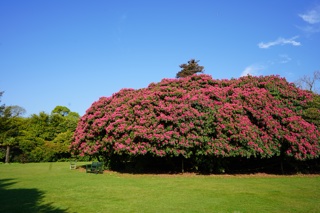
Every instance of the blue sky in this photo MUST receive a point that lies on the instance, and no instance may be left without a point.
(70, 53)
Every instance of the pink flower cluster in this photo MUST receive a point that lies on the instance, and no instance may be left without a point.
(197, 115)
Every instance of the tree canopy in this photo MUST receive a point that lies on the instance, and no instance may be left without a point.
(40, 137)
(62, 110)
(197, 116)
(192, 67)
(2, 105)
(10, 122)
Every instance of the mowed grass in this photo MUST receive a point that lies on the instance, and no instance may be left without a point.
(53, 187)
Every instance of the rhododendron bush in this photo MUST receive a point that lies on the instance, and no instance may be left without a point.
(196, 116)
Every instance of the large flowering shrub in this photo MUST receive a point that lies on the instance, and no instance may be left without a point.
(199, 116)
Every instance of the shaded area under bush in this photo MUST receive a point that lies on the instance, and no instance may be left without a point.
(231, 165)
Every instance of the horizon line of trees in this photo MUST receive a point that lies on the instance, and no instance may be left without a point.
(40, 137)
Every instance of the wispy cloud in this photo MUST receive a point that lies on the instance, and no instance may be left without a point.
(312, 16)
(312, 19)
(310, 29)
(280, 41)
(284, 59)
(120, 27)
(253, 69)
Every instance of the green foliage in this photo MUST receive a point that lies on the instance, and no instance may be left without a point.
(2, 152)
(61, 110)
(40, 137)
(10, 122)
(189, 69)
(312, 111)
(48, 137)
(1, 106)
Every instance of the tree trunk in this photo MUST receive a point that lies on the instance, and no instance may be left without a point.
(8, 154)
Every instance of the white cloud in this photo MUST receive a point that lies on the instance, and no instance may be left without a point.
(312, 19)
(312, 16)
(310, 29)
(280, 41)
(284, 59)
(252, 70)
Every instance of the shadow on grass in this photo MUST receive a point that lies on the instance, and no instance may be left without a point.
(23, 200)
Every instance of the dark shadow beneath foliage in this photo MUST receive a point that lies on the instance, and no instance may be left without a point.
(232, 165)
(23, 200)
(148, 164)
(274, 165)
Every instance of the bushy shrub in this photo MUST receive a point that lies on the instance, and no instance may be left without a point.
(198, 116)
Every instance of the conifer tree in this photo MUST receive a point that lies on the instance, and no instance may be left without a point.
(189, 69)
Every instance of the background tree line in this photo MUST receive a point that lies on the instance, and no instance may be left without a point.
(37, 138)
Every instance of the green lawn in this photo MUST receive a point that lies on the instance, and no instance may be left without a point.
(53, 187)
